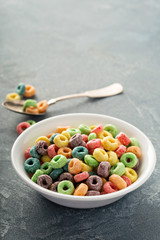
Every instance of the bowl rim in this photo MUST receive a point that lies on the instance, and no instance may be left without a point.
(102, 197)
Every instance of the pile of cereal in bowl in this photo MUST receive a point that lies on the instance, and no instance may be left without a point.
(84, 161)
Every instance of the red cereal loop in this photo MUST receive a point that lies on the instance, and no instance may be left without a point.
(127, 180)
(122, 137)
(120, 150)
(52, 150)
(81, 176)
(22, 126)
(84, 137)
(94, 143)
(109, 187)
(97, 129)
(27, 153)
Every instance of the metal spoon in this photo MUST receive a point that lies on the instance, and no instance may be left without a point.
(116, 88)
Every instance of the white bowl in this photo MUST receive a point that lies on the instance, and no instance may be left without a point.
(28, 137)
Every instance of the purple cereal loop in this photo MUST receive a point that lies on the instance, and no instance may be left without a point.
(44, 181)
(103, 169)
(54, 186)
(42, 147)
(94, 182)
(92, 193)
(66, 176)
(75, 140)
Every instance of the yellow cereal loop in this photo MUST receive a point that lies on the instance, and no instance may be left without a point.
(61, 141)
(66, 134)
(100, 155)
(43, 138)
(104, 134)
(12, 97)
(112, 158)
(109, 143)
(45, 158)
(131, 174)
(86, 168)
(92, 127)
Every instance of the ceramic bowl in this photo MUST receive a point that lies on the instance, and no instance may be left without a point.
(28, 137)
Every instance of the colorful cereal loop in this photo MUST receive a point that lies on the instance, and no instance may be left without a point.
(112, 158)
(22, 126)
(109, 143)
(118, 181)
(43, 138)
(13, 97)
(61, 141)
(65, 187)
(61, 129)
(104, 134)
(67, 152)
(74, 166)
(32, 110)
(42, 106)
(81, 190)
(131, 174)
(29, 91)
(100, 155)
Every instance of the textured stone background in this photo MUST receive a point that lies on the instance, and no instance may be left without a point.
(65, 47)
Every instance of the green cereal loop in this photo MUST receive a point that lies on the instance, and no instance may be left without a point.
(84, 129)
(65, 187)
(58, 161)
(129, 159)
(112, 129)
(56, 173)
(29, 103)
(134, 142)
(91, 161)
(31, 122)
(73, 131)
(92, 136)
(36, 175)
(118, 169)
(46, 168)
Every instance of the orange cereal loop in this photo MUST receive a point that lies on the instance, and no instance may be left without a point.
(60, 129)
(42, 106)
(32, 110)
(49, 135)
(136, 150)
(74, 166)
(118, 181)
(29, 91)
(65, 151)
(81, 190)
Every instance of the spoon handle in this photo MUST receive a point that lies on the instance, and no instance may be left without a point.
(110, 90)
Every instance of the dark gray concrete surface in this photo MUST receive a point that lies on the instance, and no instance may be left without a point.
(63, 47)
